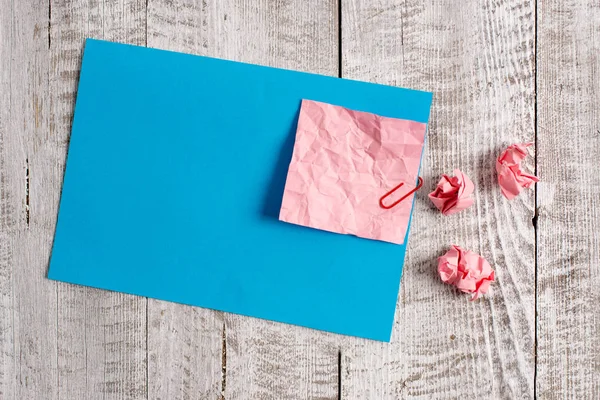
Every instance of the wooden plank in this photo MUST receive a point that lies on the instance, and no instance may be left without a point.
(267, 360)
(240, 357)
(568, 350)
(28, 298)
(479, 60)
(10, 204)
(270, 360)
(101, 335)
(184, 343)
(184, 351)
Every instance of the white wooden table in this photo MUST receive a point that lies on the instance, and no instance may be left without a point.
(503, 71)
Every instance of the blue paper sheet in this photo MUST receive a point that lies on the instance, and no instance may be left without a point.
(174, 179)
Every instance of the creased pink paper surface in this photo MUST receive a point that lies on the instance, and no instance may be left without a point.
(344, 161)
(453, 193)
(511, 177)
(468, 271)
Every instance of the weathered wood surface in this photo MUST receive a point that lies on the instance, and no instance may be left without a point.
(568, 238)
(480, 58)
(30, 187)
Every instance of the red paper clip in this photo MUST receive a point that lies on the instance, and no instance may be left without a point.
(402, 198)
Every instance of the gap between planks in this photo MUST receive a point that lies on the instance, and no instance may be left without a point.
(534, 220)
(224, 362)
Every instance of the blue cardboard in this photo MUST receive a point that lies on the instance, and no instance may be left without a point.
(174, 179)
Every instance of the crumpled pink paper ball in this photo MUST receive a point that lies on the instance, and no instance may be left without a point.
(453, 193)
(469, 272)
(510, 176)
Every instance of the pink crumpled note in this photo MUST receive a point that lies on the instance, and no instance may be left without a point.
(344, 161)
(468, 271)
(453, 193)
(510, 176)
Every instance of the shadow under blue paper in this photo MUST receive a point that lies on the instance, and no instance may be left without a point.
(274, 193)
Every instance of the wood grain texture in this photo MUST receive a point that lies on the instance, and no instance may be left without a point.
(184, 352)
(212, 354)
(479, 60)
(101, 335)
(270, 360)
(28, 298)
(9, 190)
(568, 351)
